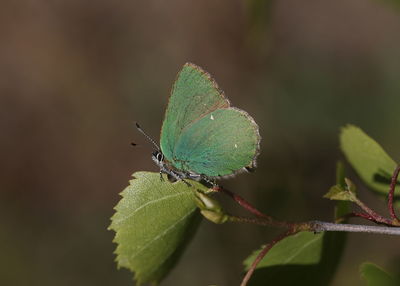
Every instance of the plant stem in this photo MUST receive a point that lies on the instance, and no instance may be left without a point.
(391, 193)
(319, 226)
(261, 221)
(370, 215)
(374, 215)
(261, 255)
(245, 204)
(360, 215)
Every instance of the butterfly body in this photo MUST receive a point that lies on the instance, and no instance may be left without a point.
(203, 137)
(173, 173)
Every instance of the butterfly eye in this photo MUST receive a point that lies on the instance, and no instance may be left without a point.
(160, 157)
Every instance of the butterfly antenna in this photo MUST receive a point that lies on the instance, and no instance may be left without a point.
(147, 136)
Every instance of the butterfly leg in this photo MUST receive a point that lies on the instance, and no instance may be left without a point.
(187, 183)
(161, 177)
(181, 177)
(213, 183)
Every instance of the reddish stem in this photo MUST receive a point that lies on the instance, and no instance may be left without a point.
(245, 204)
(264, 222)
(241, 201)
(364, 216)
(391, 193)
(262, 253)
(374, 215)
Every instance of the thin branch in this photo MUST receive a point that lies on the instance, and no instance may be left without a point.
(376, 217)
(241, 201)
(360, 215)
(264, 219)
(261, 255)
(391, 193)
(261, 221)
(319, 226)
(267, 220)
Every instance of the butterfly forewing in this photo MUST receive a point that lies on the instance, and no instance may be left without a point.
(193, 95)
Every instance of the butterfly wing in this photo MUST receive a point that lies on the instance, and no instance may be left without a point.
(219, 144)
(202, 133)
(194, 94)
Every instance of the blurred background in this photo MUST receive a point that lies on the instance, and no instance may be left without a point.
(75, 76)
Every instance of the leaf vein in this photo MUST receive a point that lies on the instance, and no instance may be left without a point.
(300, 249)
(161, 234)
(147, 204)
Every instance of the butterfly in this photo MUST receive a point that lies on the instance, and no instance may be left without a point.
(203, 137)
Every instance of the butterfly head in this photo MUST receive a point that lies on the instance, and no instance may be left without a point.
(158, 158)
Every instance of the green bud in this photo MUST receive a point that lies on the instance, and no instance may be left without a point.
(205, 202)
(215, 217)
(210, 208)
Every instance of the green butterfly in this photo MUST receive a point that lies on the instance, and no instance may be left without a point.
(203, 137)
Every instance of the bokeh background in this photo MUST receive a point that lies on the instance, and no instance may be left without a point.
(75, 76)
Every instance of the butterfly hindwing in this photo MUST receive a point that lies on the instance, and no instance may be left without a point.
(219, 144)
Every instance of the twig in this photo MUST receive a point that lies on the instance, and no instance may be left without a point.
(360, 215)
(391, 193)
(374, 215)
(241, 201)
(261, 221)
(261, 255)
(370, 214)
(266, 219)
(319, 226)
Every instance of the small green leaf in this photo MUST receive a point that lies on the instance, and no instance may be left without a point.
(367, 157)
(153, 222)
(376, 276)
(341, 193)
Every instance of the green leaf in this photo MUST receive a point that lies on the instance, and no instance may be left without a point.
(376, 276)
(306, 257)
(153, 222)
(367, 157)
(340, 193)
(301, 248)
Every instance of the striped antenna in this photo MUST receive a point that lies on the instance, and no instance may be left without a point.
(147, 136)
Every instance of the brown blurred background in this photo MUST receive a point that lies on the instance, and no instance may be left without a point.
(75, 75)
